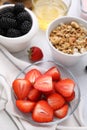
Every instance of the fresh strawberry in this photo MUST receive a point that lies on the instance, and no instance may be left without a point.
(69, 99)
(62, 112)
(34, 94)
(32, 75)
(65, 87)
(54, 83)
(21, 88)
(35, 54)
(42, 112)
(56, 101)
(54, 72)
(44, 83)
(25, 105)
(46, 94)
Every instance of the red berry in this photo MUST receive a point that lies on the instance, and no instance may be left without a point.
(42, 112)
(35, 54)
(62, 112)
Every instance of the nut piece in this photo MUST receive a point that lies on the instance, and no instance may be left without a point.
(74, 24)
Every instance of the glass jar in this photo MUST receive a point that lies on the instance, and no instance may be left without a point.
(83, 9)
(48, 10)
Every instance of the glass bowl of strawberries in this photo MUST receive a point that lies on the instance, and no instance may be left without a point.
(45, 93)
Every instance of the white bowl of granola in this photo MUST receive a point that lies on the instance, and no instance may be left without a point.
(67, 38)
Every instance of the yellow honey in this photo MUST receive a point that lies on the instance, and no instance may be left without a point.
(48, 11)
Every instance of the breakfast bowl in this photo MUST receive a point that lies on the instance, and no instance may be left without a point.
(40, 73)
(18, 25)
(67, 37)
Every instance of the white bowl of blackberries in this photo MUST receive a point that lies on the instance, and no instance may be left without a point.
(18, 25)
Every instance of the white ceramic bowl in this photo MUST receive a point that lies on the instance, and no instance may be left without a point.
(59, 56)
(19, 43)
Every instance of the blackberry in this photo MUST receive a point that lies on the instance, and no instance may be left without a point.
(86, 68)
(19, 7)
(25, 27)
(7, 23)
(21, 17)
(8, 15)
(15, 21)
(6, 9)
(13, 32)
(2, 32)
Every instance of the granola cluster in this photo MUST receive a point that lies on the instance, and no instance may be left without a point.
(69, 38)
